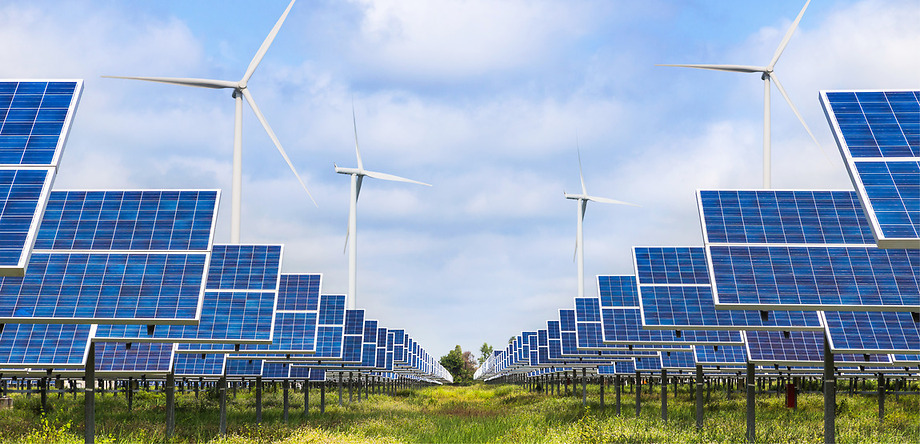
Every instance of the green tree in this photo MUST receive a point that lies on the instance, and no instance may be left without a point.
(484, 352)
(460, 364)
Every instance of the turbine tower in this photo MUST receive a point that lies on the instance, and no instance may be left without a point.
(583, 199)
(357, 177)
(240, 91)
(767, 74)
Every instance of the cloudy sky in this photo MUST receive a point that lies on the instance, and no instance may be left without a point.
(483, 99)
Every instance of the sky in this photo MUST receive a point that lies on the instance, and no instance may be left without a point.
(486, 100)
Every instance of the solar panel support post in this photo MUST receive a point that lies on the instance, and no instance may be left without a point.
(750, 387)
(584, 387)
(638, 394)
(130, 393)
(601, 387)
(222, 388)
(664, 395)
(351, 385)
(89, 381)
(881, 398)
(830, 395)
(699, 396)
(618, 387)
(322, 397)
(258, 400)
(306, 397)
(170, 404)
(285, 385)
(44, 394)
(341, 403)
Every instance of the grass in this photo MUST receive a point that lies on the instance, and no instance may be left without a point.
(479, 413)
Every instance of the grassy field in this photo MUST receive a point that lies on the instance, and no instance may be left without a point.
(480, 413)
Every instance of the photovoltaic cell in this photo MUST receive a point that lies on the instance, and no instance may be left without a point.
(35, 118)
(23, 193)
(299, 292)
(671, 265)
(730, 355)
(624, 326)
(648, 364)
(798, 348)
(872, 332)
(244, 367)
(878, 133)
(677, 360)
(45, 345)
(187, 364)
(245, 267)
(150, 220)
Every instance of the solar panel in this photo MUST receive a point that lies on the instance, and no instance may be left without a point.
(678, 360)
(35, 119)
(244, 367)
(877, 133)
(299, 292)
(275, 370)
(143, 220)
(144, 358)
(618, 291)
(187, 364)
(143, 288)
(648, 364)
(675, 294)
(45, 345)
(722, 356)
(624, 326)
(807, 273)
(872, 332)
(238, 302)
(798, 348)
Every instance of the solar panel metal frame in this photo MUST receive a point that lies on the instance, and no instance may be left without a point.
(54, 365)
(21, 267)
(912, 338)
(881, 240)
(818, 362)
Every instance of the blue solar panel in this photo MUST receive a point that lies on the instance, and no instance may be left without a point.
(245, 267)
(797, 347)
(332, 310)
(299, 292)
(587, 310)
(244, 367)
(878, 136)
(671, 266)
(22, 196)
(675, 303)
(152, 220)
(140, 358)
(730, 355)
(624, 326)
(370, 331)
(189, 364)
(872, 332)
(677, 360)
(812, 278)
(275, 370)
(618, 291)
(240, 316)
(783, 217)
(295, 332)
(567, 320)
(354, 322)
(149, 288)
(45, 345)
(35, 118)
(648, 364)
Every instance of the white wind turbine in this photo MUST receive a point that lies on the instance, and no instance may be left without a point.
(357, 176)
(240, 91)
(583, 199)
(767, 75)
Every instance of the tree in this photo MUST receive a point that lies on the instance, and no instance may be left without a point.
(484, 352)
(460, 364)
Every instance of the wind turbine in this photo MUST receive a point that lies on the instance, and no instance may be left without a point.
(767, 74)
(583, 199)
(357, 177)
(240, 91)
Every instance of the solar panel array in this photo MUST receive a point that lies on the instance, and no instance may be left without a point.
(877, 133)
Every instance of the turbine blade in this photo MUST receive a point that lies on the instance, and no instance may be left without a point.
(795, 111)
(729, 68)
(271, 134)
(782, 45)
(354, 121)
(200, 83)
(390, 177)
(609, 201)
(264, 48)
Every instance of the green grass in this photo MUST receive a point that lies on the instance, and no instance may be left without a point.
(479, 413)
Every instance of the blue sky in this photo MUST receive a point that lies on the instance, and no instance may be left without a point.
(482, 99)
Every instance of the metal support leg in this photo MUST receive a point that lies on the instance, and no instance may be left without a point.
(830, 393)
(602, 392)
(285, 387)
(341, 402)
(699, 396)
(618, 387)
(664, 395)
(222, 387)
(584, 387)
(306, 398)
(322, 397)
(638, 395)
(881, 398)
(170, 405)
(258, 400)
(89, 414)
(351, 384)
(751, 434)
